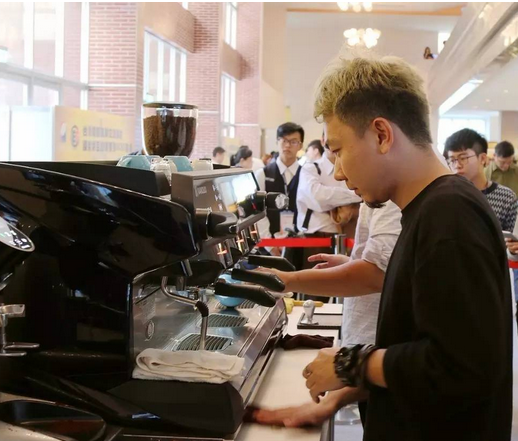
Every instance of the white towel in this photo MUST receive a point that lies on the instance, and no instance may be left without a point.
(193, 366)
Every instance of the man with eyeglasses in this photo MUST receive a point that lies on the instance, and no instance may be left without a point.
(282, 175)
(466, 154)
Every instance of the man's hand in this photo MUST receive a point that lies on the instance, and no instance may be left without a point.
(512, 246)
(320, 374)
(309, 414)
(328, 260)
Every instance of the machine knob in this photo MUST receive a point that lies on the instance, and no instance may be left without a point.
(218, 224)
(277, 201)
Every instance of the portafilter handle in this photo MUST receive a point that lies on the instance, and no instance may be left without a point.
(275, 262)
(6, 348)
(256, 294)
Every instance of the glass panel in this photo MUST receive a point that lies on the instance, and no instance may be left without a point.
(45, 37)
(234, 28)
(228, 23)
(43, 96)
(71, 97)
(178, 78)
(232, 102)
(12, 93)
(183, 77)
(11, 31)
(167, 73)
(72, 50)
(153, 68)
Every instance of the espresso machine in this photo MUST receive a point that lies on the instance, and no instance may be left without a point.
(98, 263)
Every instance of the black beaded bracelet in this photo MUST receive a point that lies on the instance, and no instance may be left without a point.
(350, 364)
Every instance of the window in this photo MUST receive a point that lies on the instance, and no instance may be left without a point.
(44, 42)
(43, 63)
(164, 70)
(448, 126)
(231, 24)
(228, 107)
(185, 5)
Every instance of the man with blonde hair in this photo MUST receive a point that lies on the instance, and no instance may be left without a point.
(441, 368)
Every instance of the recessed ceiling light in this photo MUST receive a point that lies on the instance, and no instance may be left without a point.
(488, 100)
(506, 91)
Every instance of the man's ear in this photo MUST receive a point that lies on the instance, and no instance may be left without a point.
(384, 134)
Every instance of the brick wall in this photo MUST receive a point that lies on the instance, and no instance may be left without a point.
(72, 49)
(112, 69)
(204, 75)
(249, 30)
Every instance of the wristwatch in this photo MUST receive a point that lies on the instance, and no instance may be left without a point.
(351, 364)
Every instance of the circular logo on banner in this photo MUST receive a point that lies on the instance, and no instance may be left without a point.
(74, 136)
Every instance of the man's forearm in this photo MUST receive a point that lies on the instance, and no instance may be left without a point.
(354, 278)
(347, 395)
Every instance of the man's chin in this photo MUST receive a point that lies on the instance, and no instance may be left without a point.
(374, 204)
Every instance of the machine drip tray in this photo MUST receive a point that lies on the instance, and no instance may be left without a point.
(191, 342)
(225, 321)
(247, 304)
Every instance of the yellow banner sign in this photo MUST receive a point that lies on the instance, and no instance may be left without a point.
(83, 135)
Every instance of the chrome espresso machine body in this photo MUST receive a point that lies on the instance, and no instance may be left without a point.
(119, 260)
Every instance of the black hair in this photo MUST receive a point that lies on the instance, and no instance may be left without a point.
(316, 144)
(504, 149)
(289, 128)
(217, 151)
(463, 140)
(243, 153)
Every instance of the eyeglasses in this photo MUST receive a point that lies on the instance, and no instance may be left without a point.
(461, 160)
(291, 142)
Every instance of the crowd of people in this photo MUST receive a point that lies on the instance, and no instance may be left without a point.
(427, 335)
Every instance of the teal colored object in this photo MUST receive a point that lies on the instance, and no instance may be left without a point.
(140, 162)
(229, 302)
(182, 162)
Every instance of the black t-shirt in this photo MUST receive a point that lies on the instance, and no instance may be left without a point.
(445, 317)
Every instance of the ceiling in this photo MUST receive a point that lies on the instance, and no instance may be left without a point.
(401, 7)
(499, 92)
(426, 16)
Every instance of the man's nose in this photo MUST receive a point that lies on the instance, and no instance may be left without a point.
(339, 174)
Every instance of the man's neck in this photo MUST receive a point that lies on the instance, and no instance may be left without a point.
(420, 169)
(480, 181)
(286, 162)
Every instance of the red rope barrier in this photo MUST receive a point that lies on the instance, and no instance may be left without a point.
(303, 242)
(294, 242)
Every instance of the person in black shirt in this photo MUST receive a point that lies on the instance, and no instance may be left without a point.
(441, 368)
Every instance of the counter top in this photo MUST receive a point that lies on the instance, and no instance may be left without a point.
(283, 385)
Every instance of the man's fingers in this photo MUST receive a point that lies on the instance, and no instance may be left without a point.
(315, 258)
(315, 395)
(321, 266)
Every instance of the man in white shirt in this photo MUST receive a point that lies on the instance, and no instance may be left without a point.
(282, 175)
(318, 193)
(359, 280)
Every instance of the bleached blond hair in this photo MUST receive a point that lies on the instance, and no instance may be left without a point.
(360, 89)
